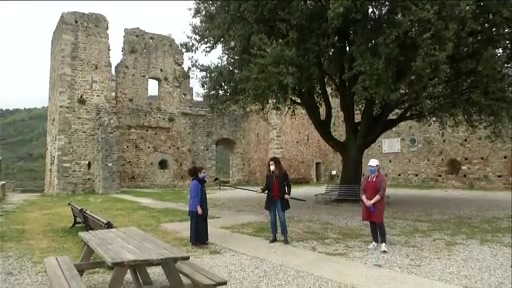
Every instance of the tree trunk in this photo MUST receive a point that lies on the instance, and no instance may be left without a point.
(352, 161)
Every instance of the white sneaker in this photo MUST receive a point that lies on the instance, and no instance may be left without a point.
(383, 248)
(372, 246)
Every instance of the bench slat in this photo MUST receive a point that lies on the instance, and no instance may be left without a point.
(55, 276)
(193, 275)
(62, 273)
(200, 275)
(68, 268)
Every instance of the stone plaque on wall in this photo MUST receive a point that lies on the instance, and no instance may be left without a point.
(391, 145)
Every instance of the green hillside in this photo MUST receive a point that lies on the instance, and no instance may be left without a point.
(23, 145)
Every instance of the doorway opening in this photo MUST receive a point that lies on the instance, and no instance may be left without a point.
(318, 171)
(224, 149)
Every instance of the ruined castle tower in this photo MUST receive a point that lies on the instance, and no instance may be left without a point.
(81, 148)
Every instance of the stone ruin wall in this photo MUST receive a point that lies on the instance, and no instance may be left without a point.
(118, 136)
(484, 163)
(81, 140)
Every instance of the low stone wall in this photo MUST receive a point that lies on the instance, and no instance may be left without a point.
(3, 191)
(10, 186)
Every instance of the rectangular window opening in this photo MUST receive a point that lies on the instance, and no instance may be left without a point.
(153, 87)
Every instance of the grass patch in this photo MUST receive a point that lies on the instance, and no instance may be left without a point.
(40, 226)
(313, 235)
(302, 232)
(174, 196)
(452, 230)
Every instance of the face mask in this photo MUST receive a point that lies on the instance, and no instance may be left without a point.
(272, 167)
(373, 170)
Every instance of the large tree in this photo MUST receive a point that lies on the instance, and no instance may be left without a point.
(387, 61)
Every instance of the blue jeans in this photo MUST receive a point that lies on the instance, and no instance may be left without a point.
(277, 211)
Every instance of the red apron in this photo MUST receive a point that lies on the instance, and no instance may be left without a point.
(371, 190)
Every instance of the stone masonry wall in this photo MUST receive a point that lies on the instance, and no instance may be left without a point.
(80, 92)
(483, 162)
(106, 132)
(58, 56)
(152, 129)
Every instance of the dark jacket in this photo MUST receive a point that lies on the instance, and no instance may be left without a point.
(198, 196)
(285, 187)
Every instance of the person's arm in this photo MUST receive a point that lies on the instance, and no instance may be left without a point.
(363, 185)
(383, 185)
(195, 194)
(265, 187)
(287, 183)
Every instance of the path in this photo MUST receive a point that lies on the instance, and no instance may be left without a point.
(329, 267)
(13, 200)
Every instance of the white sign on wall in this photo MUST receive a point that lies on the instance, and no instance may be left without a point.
(391, 145)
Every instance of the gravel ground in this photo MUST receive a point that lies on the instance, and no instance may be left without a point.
(240, 270)
(443, 257)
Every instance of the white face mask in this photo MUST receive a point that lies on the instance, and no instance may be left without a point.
(272, 167)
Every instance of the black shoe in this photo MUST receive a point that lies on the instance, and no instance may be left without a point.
(273, 239)
(285, 241)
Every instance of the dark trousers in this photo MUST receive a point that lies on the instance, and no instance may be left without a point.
(198, 228)
(275, 212)
(378, 230)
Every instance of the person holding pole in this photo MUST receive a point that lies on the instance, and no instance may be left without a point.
(279, 188)
(373, 190)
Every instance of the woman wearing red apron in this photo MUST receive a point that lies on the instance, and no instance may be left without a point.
(373, 190)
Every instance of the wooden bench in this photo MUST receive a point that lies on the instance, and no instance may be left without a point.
(199, 276)
(339, 192)
(95, 222)
(77, 213)
(90, 220)
(62, 272)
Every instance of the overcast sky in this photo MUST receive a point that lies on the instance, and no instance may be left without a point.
(27, 28)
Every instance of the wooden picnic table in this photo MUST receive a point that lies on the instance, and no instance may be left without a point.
(130, 249)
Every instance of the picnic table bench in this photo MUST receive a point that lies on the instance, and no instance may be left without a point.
(128, 249)
(90, 220)
(199, 276)
(62, 272)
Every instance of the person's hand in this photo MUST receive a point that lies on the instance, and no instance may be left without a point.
(286, 196)
(368, 203)
(199, 211)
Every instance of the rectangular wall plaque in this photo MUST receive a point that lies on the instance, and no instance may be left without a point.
(391, 145)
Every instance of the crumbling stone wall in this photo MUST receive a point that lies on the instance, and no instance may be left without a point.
(154, 139)
(80, 99)
(106, 132)
(173, 127)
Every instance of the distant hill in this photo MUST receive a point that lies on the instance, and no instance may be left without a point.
(23, 146)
